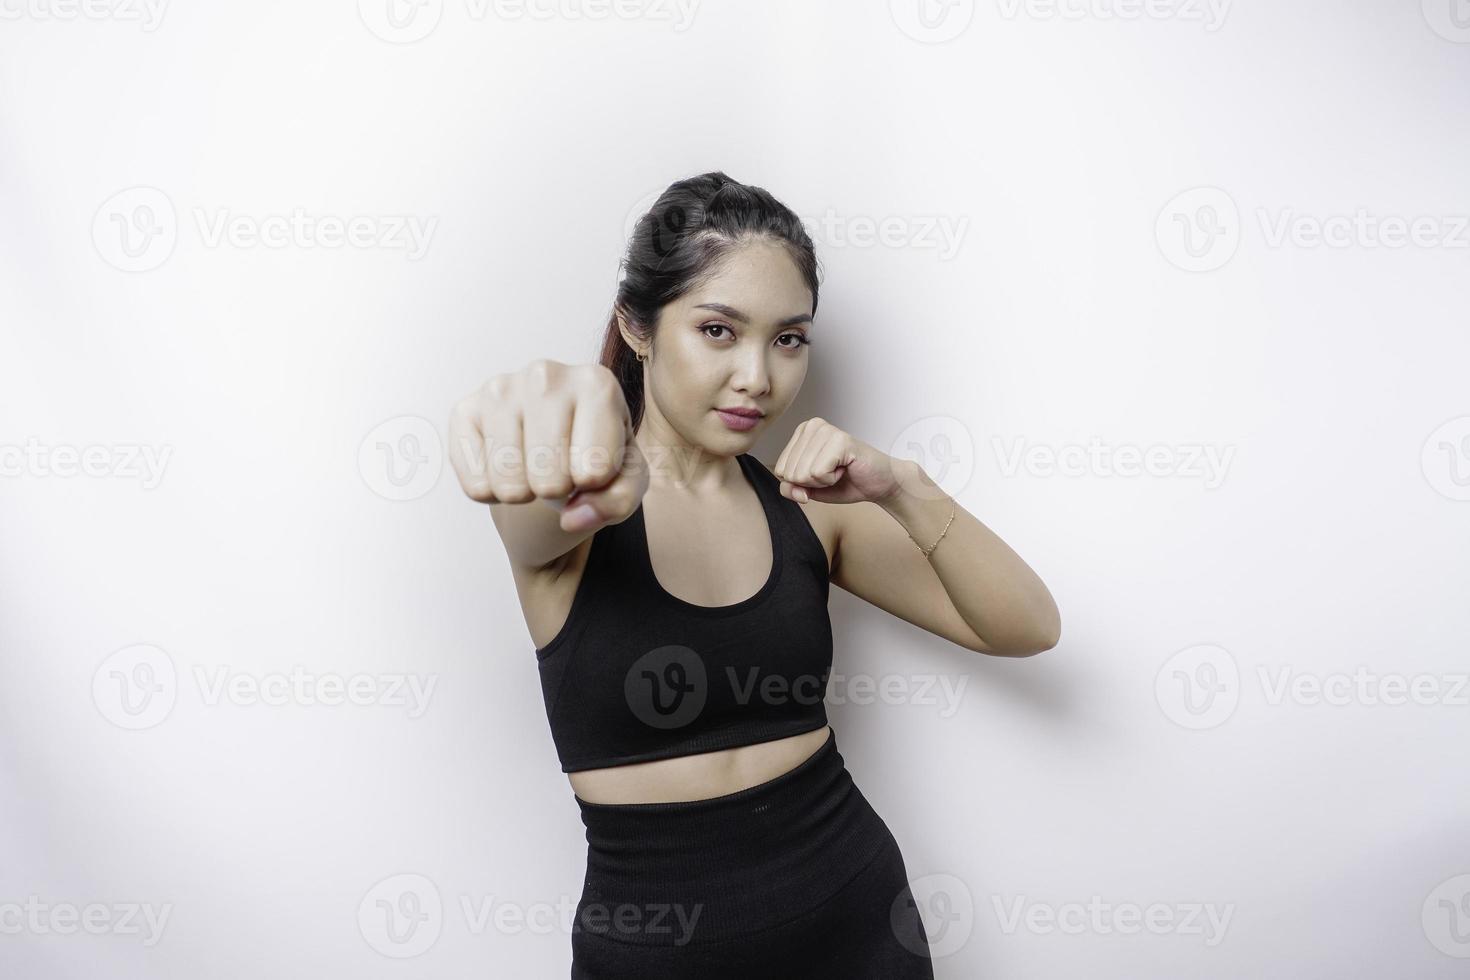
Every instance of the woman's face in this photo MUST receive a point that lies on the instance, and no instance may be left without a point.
(736, 342)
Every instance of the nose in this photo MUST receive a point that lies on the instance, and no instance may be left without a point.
(752, 375)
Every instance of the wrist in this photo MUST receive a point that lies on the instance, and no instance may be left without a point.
(910, 484)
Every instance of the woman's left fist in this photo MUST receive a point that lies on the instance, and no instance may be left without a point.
(825, 464)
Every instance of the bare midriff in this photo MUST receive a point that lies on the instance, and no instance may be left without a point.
(697, 777)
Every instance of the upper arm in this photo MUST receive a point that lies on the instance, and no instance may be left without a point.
(876, 560)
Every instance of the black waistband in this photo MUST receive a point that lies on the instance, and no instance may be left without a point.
(705, 870)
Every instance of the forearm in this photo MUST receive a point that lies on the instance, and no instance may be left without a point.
(994, 591)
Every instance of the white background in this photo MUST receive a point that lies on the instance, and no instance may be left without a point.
(1149, 759)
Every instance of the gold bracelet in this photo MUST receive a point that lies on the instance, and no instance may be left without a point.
(947, 523)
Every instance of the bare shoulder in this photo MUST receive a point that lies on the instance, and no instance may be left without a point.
(546, 594)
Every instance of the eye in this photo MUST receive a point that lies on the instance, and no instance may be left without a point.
(713, 326)
(801, 339)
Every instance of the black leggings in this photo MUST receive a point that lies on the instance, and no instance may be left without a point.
(796, 877)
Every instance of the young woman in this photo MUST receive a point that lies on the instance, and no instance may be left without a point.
(677, 593)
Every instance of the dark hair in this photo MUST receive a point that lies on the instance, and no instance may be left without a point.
(675, 247)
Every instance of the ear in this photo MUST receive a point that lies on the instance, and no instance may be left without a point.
(629, 337)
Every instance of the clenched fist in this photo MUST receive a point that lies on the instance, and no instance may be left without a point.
(554, 432)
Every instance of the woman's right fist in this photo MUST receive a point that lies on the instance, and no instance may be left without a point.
(554, 432)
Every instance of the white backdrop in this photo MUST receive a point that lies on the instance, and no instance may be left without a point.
(1170, 293)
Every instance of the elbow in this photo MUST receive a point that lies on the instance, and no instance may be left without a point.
(1043, 641)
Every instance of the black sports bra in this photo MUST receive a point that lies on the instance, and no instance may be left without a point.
(636, 673)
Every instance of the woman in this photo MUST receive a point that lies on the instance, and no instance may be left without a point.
(677, 593)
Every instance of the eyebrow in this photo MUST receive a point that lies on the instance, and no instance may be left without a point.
(735, 314)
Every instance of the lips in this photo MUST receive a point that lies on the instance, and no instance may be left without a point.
(750, 413)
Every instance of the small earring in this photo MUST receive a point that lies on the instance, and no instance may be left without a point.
(640, 357)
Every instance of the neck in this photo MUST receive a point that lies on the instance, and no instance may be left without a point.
(674, 463)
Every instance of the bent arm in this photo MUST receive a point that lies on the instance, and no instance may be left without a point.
(972, 589)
